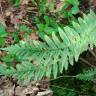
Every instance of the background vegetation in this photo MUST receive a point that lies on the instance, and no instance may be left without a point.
(33, 35)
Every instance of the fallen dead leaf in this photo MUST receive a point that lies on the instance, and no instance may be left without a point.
(23, 2)
(34, 36)
(2, 20)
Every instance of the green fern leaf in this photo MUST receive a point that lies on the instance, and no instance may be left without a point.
(56, 52)
(87, 75)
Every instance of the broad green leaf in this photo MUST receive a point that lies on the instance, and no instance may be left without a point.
(75, 9)
(17, 2)
(2, 41)
(3, 32)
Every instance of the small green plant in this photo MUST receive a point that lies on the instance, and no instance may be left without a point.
(23, 28)
(16, 2)
(3, 35)
(47, 27)
(87, 75)
(70, 8)
(72, 87)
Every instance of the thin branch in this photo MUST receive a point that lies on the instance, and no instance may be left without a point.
(92, 52)
(68, 89)
(85, 61)
(44, 93)
(0, 7)
(66, 76)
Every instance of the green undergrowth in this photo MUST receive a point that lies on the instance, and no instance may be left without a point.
(63, 35)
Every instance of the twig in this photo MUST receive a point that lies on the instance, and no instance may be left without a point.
(68, 89)
(85, 61)
(92, 52)
(44, 93)
(66, 76)
(1, 8)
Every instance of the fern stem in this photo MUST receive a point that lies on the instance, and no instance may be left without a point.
(66, 76)
(52, 49)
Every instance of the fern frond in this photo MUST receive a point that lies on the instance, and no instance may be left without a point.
(87, 75)
(56, 52)
(6, 71)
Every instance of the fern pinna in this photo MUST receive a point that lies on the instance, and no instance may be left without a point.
(50, 56)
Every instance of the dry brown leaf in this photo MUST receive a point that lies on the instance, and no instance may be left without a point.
(59, 5)
(23, 2)
(23, 91)
(2, 20)
(31, 90)
(34, 36)
(19, 91)
(6, 87)
(45, 93)
(9, 91)
(93, 2)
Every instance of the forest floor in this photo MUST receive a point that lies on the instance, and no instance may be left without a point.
(10, 17)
